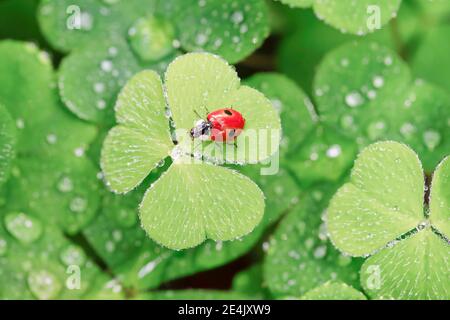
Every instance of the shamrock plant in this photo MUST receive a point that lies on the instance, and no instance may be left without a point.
(381, 213)
(232, 205)
(356, 17)
(111, 41)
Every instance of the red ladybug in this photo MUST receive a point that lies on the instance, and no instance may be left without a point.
(223, 125)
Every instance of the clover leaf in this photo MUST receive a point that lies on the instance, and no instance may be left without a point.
(381, 100)
(51, 176)
(334, 291)
(142, 139)
(356, 17)
(109, 42)
(300, 257)
(69, 24)
(198, 83)
(38, 262)
(232, 30)
(7, 143)
(381, 213)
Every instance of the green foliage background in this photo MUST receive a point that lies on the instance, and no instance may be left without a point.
(336, 86)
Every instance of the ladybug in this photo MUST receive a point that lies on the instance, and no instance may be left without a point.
(223, 125)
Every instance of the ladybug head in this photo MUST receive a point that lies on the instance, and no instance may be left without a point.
(201, 130)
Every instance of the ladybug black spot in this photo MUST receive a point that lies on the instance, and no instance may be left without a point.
(228, 112)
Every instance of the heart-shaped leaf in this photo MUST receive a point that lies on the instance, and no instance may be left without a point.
(135, 147)
(200, 83)
(230, 29)
(383, 200)
(381, 212)
(231, 205)
(143, 130)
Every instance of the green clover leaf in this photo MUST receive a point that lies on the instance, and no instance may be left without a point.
(7, 143)
(381, 101)
(300, 257)
(51, 169)
(141, 263)
(232, 30)
(142, 139)
(37, 261)
(380, 212)
(356, 17)
(334, 291)
(111, 42)
(218, 86)
(69, 24)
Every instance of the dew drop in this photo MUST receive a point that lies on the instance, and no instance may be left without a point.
(347, 122)
(117, 235)
(201, 39)
(320, 252)
(334, 151)
(78, 205)
(23, 227)
(112, 51)
(79, 152)
(388, 60)
(43, 284)
(101, 104)
(20, 124)
(110, 246)
(407, 130)
(153, 38)
(3, 247)
(237, 17)
(432, 139)
(99, 87)
(86, 21)
(106, 65)
(65, 184)
(72, 255)
(354, 99)
(51, 138)
(378, 82)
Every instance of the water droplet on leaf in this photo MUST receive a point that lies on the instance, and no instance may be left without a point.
(23, 227)
(43, 284)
